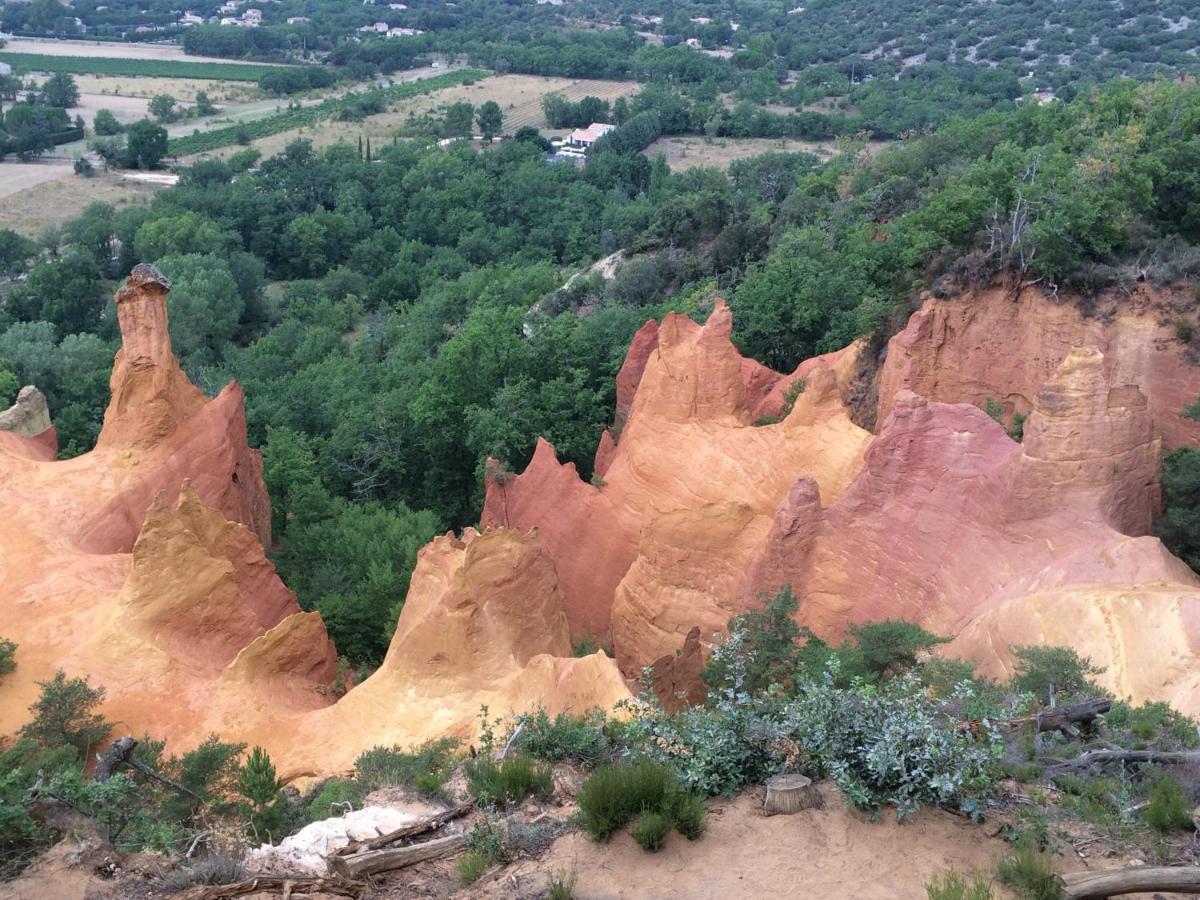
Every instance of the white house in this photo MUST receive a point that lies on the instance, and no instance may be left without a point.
(586, 137)
(298, 20)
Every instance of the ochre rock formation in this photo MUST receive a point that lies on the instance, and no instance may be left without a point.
(941, 518)
(987, 344)
(484, 624)
(688, 454)
(25, 427)
(141, 566)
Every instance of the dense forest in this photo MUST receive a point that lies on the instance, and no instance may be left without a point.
(379, 313)
(824, 68)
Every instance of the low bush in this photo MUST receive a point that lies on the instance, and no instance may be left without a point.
(1058, 670)
(334, 797)
(561, 886)
(650, 830)
(508, 782)
(953, 886)
(1168, 808)
(565, 737)
(424, 769)
(618, 793)
(689, 813)
(1029, 872)
(485, 848)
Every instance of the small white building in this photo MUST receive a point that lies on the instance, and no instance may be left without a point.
(298, 20)
(586, 137)
(5, 69)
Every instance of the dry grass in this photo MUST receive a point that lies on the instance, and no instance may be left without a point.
(691, 152)
(36, 196)
(519, 96)
(179, 88)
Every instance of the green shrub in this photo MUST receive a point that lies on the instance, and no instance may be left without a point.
(1168, 808)
(332, 797)
(8, 662)
(485, 848)
(266, 808)
(887, 648)
(1041, 670)
(953, 886)
(509, 782)
(589, 643)
(565, 737)
(561, 886)
(651, 830)
(617, 793)
(1029, 872)
(689, 813)
(471, 866)
(63, 716)
(424, 769)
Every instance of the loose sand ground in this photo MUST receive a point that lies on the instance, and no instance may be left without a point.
(814, 855)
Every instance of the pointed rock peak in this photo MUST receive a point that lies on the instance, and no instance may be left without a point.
(720, 320)
(150, 393)
(29, 416)
(142, 313)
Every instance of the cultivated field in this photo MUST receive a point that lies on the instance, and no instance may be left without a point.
(519, 96)
(34, 196)
(127, 109)
(691, 152)
(179, 88)
(113, 50)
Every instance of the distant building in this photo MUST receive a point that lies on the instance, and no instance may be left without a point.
(398, 6)
(694, 43)
(298, 20)
(189, 18)
(403, 32)
(5, 69)
(586, 137)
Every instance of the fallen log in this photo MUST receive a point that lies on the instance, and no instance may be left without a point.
(121, 754)
(285, 887)
(1162, 757)
(1064, 718)
(369, 862)
(1134, 880)
(416, 829)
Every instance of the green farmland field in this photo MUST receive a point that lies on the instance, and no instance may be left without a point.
(156, 68)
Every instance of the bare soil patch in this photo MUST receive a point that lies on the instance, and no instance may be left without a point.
(813, 855)
(119, 86)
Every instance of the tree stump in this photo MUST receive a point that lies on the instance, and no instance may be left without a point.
(787, 794)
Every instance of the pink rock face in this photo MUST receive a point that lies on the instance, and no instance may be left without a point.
(688, 460)
(943, 519)
(985, 344)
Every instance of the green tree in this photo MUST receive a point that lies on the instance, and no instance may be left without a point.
(1059, 670)
(184, 233)
(15, 251)
(145, 145)
(459, 117)
(204, 305)
(64, 715)
(204, 106)
(8, 652)
(490, 118)
(162, 107)
(61, 91)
